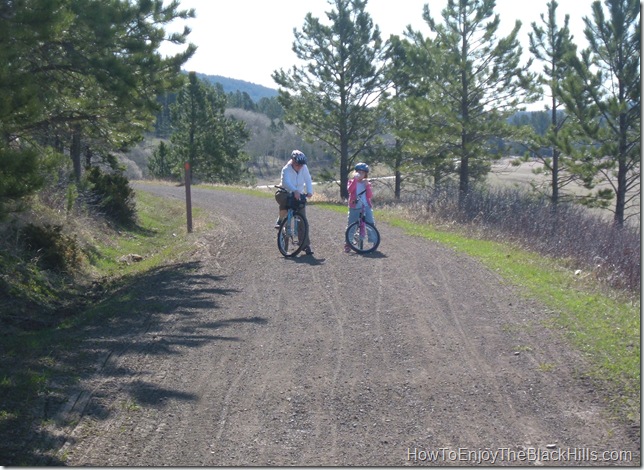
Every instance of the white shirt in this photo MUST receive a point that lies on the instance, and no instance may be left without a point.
(294, 181)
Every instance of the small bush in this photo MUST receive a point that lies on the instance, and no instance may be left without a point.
(53, 248)
(113, 196)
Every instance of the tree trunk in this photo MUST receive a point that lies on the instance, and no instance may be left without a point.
(398, 175)
(75, 152)
(464, 180)
(620, 203)
(344, 168)
(555, 161)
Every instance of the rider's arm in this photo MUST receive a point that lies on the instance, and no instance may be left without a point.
(307, 179)
(351, 189)
(369, 193)
(352, 186)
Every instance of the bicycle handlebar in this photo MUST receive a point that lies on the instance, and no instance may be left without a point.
(302, 195)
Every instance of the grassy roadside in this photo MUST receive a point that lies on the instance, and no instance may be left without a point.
(603, 324)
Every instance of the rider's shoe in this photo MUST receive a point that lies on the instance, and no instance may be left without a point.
(308, 250)
(277, 223)
(347, 248)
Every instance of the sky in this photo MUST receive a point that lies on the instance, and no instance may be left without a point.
(250, 39)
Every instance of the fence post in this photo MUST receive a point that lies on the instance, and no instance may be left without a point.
(188, 200)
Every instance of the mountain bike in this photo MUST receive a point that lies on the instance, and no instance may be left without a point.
(362, 236)
(292, 231)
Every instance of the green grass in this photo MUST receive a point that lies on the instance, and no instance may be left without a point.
(604, 325)
(161, 235)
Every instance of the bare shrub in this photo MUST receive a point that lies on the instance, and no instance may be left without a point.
(568, 231)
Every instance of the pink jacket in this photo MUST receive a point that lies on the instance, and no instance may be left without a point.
(352, 186)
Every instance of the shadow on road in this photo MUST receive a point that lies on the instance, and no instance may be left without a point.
(307, 259)
(374, 255)
(161, 312)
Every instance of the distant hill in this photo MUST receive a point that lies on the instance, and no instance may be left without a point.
(256, 92)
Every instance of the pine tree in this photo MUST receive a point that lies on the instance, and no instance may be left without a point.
(204, 137)
(604, 95)
(553, 46)
(83, 75)
(332, 97)
(473, 82)
(160, 164)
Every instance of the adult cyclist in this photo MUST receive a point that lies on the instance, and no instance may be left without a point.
(295, 180)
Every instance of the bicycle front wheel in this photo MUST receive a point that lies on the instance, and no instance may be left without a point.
(291, 235)
(365, 242)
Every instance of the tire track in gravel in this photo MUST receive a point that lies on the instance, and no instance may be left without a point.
(338, 359)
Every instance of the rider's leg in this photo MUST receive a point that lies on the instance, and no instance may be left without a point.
(368, 216)
(281, 198)
(306, 242)
(353, 216)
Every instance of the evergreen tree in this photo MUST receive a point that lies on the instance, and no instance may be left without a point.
(271, 108)
(553, 46)
(473, 81)
(604, 95)
(420, 148)
(204, 137)
(397, 75)
(83, 75)
(23, 27)
(332, 97)
(160, 164)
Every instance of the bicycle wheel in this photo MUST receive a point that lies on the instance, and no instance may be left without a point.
(291, 236)
(365, 244)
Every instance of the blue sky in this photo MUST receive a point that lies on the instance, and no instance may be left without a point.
(249, 39)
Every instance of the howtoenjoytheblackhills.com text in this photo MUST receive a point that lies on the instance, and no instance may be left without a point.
(464, 455)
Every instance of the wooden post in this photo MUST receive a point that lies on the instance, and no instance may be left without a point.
(188, 200)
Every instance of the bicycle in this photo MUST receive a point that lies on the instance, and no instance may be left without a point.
(294, 228)
(362, 236)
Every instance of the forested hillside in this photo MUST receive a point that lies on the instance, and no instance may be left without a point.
(232, 85)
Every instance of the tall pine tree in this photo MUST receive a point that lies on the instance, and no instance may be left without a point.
(204, 137)
(553, 46)
(332, 97)
(604, 94)
(473, 80)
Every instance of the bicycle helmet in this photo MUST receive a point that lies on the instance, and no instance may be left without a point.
(298, 157)
(362, 167)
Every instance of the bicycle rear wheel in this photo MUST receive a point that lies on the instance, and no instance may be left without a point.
(291, 235)
(362, 244)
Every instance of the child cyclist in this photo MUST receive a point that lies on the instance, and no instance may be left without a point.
(360, 194)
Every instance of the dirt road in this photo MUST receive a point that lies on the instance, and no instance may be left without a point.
(414, 355)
